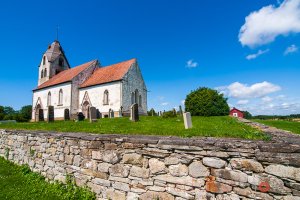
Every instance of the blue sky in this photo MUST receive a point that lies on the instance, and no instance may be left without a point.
(248, 50)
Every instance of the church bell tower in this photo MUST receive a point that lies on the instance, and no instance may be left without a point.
(53, 62)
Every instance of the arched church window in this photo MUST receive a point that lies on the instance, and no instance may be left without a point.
(136, 96)
(140, 100)
(44, 60)
(132, 98)
(61, 62)
(105, 97)
(60, 97)
(45, 73)
(49, 99)
(42, 74)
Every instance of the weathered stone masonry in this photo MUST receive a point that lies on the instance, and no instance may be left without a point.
(150, 167)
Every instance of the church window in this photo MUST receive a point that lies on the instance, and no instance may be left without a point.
(42, 74)
(60, 97)
(136, 96)
(45, 73)
(105, 97)
(44, 60)
(49, 99)
(61, 62)
(140, 100)
(132, 98)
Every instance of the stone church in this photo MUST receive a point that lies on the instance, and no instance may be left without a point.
(110, 89)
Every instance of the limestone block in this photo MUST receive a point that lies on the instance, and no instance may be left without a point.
(139, 172)
(214, 162)
(186, 180)
(247, 164)
(284, 171)
(119, 170)
(111, 156)
(150, 195)
(230, 174)
(178, 170)
(197, 169)
(156, 166)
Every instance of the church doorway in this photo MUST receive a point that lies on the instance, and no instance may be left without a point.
(39, 113)
(86, 109)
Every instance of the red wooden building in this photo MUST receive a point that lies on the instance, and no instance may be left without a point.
(236, 113)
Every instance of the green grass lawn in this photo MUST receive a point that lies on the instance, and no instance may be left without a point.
(19, 183)
(202, 126)
(282, 124)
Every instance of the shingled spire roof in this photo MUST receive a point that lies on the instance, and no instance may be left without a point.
(54, 51)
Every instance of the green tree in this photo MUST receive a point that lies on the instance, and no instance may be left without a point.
(9, 110)
(25, 113)
(247, 115)
(206, 102)
(2, 114)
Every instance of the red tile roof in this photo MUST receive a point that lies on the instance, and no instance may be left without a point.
(108, 74)
(66, 75)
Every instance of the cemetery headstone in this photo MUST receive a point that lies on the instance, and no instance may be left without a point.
(180, 110)
(67, 114)
(50, 117)
(80, 116)
(174, 111)
(111, 113)
(134, 112)
(187, 120)
(121, 112)
(99, 115)
(93, 114)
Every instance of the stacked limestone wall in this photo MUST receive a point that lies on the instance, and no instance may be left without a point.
(149, 167)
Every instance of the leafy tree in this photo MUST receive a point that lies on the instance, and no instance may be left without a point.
(2, 114)
(206, 102)
(247, 115)
(25, 113)
(9, 110)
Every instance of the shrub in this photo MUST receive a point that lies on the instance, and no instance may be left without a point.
(169, 114)
(206, 102)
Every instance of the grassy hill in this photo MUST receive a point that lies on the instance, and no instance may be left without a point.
(293, 126)
(202, 126)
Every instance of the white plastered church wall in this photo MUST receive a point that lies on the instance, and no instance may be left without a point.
(42, 96)
(96, 96)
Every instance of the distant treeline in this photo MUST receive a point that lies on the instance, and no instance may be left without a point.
(8, 113)
(277, 116)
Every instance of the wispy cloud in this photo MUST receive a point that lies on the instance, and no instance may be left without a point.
(263, 26)
(291, 49)
(191, 64)
(164, 103)
(259, 53)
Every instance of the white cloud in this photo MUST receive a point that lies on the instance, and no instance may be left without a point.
(291, 49)
(266, 99)
(243, 102)
(191, 64)
(182, 102)
(263, 26)
(164, 103)
(259, 53)
(242, 91)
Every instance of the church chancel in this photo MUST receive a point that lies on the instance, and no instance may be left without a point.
(110, 89)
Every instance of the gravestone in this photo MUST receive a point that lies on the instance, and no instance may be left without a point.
(174, 111)
(50, 117)
(80, 116)
(111, 113)
(99, 115)
(180, 110)
(187, 120)
(67, 114)
(134, 112)
(93, 114)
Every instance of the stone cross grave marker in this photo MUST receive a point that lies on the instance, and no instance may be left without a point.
(50, 117)
(134, 112)
(93, 114)
(187, 120)
(121, 112)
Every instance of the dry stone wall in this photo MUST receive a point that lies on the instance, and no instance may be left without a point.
(166, 168)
